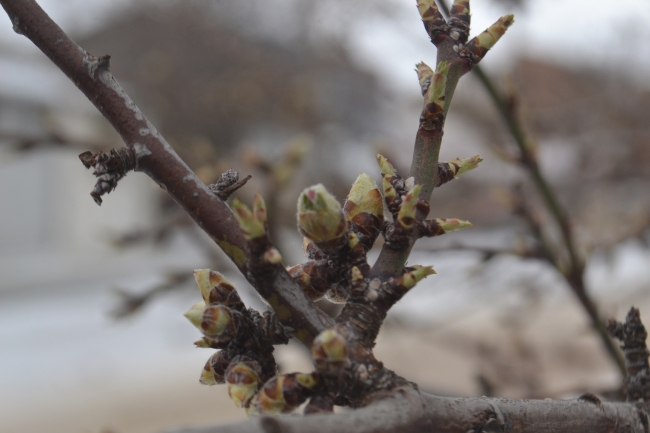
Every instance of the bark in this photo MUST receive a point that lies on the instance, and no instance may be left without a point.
(409, 411)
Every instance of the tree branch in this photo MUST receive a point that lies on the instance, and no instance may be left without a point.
(155, 157)
(413, 412)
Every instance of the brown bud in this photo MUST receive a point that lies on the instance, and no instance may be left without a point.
(243, 380)
(330, 351)
(214, 371)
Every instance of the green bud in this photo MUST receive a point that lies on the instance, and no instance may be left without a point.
(330, 350)
(385, 166)
(364, 197)
(216, 289)
(214, 370)
(215, 322)
(434, 98)
(319, 215)
(243, 380)
(452, 224)
(460, 9)
(272, 256)
(250, 225)
(489, 37)
(259, 209)
(410, 279)
(425, 75)
(408, 210)
(478, 47)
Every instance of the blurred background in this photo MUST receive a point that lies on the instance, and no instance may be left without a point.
(296, 92)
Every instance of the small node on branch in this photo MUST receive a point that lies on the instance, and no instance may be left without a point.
(632, 334)
(108, 168)
(448, 171)
(478, 47)
(228, 183)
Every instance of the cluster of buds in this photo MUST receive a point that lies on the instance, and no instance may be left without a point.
(456, 30)
(245, 362)
(244, 336)
(405, 208)
(336, 238)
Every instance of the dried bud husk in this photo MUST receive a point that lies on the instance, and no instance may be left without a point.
(217, 322)
(448, 171)
(243, 380)
(330, 351)
(364, 209)
(440, 226)
(321, 219)
(214, 371)
(284, 393)
(216, 289)
(434, 98)
(408, 210)
(415, 275)
(250, 225)
(478, 47)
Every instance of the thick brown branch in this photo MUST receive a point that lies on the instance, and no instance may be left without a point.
(156, 158)
(409, 411)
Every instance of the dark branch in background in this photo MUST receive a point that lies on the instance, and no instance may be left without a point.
(155, 157)
(527, 159)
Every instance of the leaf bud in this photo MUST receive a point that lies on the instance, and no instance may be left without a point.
(408, 210)
(284, 393)
(415, 275)
(215, 321)
(248, 222)
(330, 351)
(214, 371)
(243, 380)
(216, 289)
(478, 47)
(320, 217)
